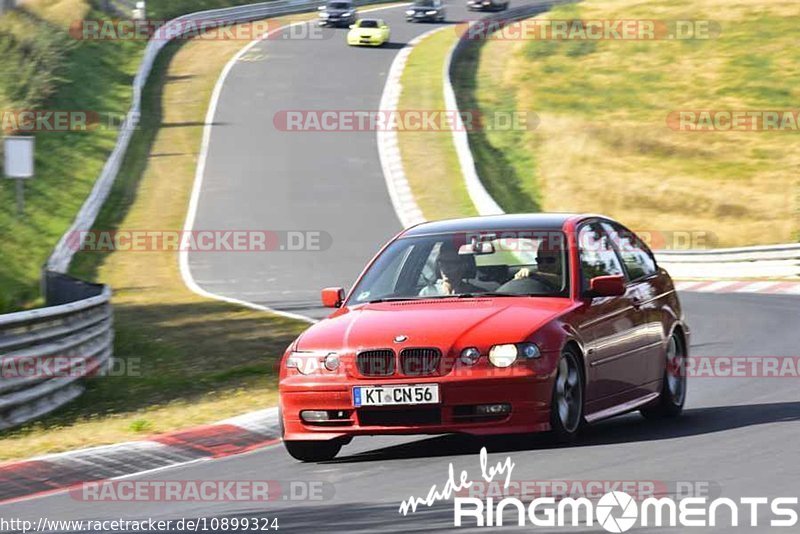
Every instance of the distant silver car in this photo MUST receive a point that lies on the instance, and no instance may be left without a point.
(487, 5)
(426, 10)
(337, 13)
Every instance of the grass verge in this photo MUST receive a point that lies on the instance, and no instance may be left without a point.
(603, 144)
(429, 157)
(42, 68)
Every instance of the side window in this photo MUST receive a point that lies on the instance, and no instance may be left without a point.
(598, 257)
(638, 262)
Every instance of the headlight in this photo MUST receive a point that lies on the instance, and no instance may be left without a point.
(410, 12)
(309, 362)
(431, 12)
(324, 15)
(470, 356)
(346, 14)
(503, 355)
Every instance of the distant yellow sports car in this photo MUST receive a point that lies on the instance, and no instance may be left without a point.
(368, 32)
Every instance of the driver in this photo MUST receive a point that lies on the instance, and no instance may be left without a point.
(548, 265)
(453, 269)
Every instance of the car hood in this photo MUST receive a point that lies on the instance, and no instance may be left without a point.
(337, 12)
(442, 323)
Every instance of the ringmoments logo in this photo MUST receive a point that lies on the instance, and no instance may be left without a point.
(615, 511)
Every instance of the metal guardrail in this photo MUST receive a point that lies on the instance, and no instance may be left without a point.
(45, 353)
(773, 261)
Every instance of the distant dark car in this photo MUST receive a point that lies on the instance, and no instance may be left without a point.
(487, 5)
(337, 13)
(426, 10)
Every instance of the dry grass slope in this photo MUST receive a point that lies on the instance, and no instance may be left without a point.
(603, 144)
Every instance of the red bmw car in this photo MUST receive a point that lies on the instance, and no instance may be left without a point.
(489, 325)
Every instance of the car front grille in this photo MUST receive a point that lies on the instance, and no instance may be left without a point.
(420, 361)
(378, 362)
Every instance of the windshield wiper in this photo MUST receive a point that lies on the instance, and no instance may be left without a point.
(392, 299)
(484, 294)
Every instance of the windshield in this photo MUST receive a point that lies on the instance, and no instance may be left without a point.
(366, 23)
(424, 3)
(339, 5)
(518, 263)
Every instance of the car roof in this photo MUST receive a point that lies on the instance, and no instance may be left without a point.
(518, 221)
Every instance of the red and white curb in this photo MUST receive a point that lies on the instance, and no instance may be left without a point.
(738, 286)
(61, 471)
(405, 206)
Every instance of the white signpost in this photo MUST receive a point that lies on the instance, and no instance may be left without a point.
(140, 11)
(18, 165)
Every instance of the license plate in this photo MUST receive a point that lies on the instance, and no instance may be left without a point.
(395, 395)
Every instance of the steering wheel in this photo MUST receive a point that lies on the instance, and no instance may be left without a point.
(546, 281)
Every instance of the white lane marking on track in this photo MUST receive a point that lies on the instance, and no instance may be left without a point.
(191, 215)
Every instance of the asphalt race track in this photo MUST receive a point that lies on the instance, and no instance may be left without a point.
(738, 437)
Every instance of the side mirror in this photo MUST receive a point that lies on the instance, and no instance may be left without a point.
(332, 297)
(607, 286)
(352, 26)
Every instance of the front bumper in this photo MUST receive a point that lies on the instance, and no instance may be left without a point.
(529, 397)
(482, 6)
(337, 21)
(356, 41)
(422, 17)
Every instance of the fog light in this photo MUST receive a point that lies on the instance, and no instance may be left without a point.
(492, 409)
(332, 361)
(314, 416)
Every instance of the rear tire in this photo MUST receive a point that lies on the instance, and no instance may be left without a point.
(313, 451)
(673, 388)
(566, 406)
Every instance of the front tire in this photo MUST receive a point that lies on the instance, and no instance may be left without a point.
(313, 451)
(566, 406)
(673, 388)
